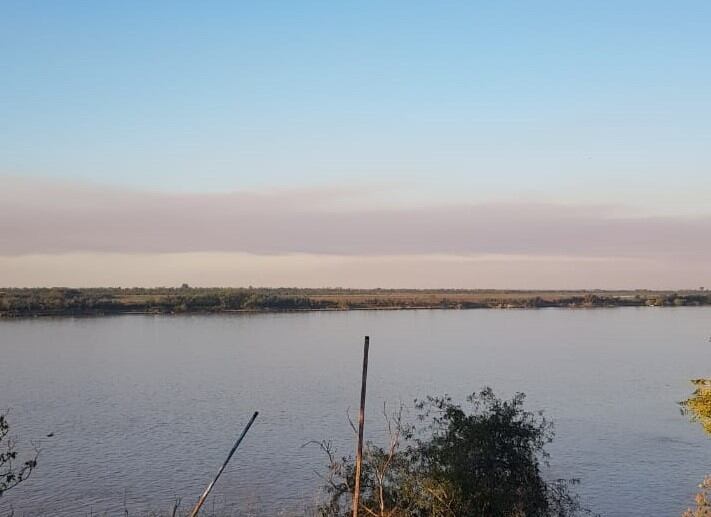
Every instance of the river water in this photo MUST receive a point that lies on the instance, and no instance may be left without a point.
(143, 409)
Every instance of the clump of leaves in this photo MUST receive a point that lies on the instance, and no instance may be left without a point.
(703, 501)
(698, 408)
(698, 405)
(482, 459)
(12, 471)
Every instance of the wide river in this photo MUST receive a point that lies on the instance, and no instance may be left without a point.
(143, 409)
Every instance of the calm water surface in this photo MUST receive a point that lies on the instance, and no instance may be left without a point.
(144, 408)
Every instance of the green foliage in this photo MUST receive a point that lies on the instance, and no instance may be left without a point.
(98, 301)
(698, 408)
(12, 473)
(104, 300)
(483, 460)
(702, 500)
(698, 405)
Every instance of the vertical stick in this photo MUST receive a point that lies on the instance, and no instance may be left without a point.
(204, 495)
(361, 426)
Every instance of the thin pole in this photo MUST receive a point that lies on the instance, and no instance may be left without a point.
(204, 495)
(361, 426)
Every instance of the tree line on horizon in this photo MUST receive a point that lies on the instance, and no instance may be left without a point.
(98, 301)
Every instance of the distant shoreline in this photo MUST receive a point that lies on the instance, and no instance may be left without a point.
(38, 302)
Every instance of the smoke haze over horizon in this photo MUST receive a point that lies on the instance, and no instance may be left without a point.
(81, 234)
(358, 144)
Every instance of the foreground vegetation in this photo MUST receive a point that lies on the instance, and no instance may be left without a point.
(482, 459)
(698, 405)
(698, 408)
(99, 301)
(13, 470)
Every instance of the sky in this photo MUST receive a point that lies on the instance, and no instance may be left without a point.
(357, 144)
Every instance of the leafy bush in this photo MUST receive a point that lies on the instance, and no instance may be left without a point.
(698, 406)
(483, 460)
(703, 501)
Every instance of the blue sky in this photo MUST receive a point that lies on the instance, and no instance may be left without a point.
(504, 96)
(432, 103)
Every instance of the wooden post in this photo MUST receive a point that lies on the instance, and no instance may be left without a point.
(361, 426)
(204, 495)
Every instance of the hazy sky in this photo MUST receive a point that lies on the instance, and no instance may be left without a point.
(453, 144)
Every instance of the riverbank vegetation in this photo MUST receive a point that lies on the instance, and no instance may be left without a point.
(698, 405)
(702, 501)
(698, 408)
(484, 458)
(100, 301)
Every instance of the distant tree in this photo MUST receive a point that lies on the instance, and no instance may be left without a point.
(482, 461)
(12, 471)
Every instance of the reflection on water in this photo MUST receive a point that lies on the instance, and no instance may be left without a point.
(145, 407)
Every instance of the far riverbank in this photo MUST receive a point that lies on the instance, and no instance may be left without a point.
(31, 302)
